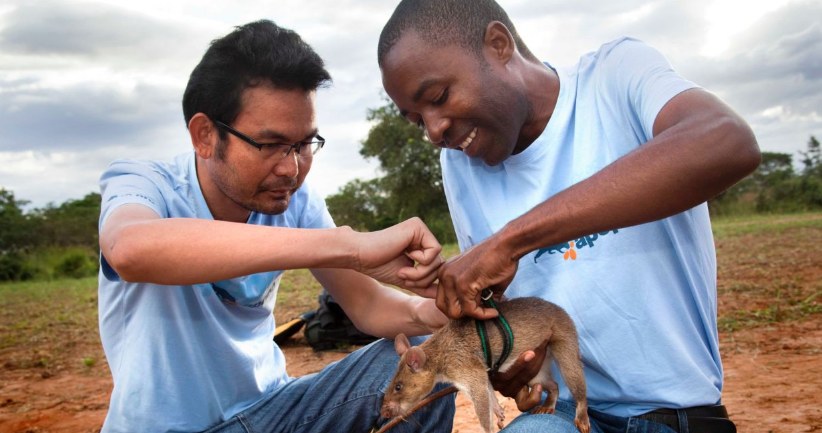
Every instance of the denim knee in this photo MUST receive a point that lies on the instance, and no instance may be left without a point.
(543, 423)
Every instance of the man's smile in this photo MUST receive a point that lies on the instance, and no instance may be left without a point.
(468, 140)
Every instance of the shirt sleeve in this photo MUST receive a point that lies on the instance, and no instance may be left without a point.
(130, 182)
(643, 77)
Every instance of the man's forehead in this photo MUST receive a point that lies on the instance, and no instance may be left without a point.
(409, 47)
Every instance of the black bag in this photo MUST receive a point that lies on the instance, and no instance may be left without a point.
(330, 328)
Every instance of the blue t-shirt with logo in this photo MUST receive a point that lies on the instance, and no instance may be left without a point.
(184, 358)
(643, 297)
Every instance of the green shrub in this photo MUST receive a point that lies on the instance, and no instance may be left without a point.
(76, 264)
(13, 267)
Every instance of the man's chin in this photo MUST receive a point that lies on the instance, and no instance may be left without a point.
(271, 207)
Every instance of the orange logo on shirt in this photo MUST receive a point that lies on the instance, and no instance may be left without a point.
(569, 249)
(571, 253)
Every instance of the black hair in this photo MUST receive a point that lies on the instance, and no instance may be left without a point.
(446, 22)
(253, 54)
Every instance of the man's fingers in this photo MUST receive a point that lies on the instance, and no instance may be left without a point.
(425, 248)
(526, 364)
(540, 351)
(426, 256)
(510, 382)
(507, 386)
(422, 274)
(447, 302)
(471, 308)
(528, 399)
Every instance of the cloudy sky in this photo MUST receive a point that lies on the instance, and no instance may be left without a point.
(86, 82)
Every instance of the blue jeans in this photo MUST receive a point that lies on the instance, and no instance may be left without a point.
(344, 397)
(562, 421)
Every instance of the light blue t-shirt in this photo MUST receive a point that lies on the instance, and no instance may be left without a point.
(184, 358)
(644, 297)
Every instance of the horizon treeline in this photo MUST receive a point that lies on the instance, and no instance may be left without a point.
(59, 241)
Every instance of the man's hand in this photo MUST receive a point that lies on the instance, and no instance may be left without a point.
(427, 314)
(514, 381)
(463, 278)
(405, 255)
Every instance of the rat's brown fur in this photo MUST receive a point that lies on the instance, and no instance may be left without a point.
(454, 354)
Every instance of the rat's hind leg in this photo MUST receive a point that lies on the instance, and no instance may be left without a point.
(570, 365)
(551, 401)
(498, 411)
(548, 384)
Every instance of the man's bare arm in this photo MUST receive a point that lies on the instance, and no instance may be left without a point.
(377, 309)
(141, 246)
(700, 148)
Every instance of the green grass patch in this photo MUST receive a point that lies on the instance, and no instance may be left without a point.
(47, 311)
(781, 310)
(767, 274)
(759, 223)
(51, 326)
(298, 294)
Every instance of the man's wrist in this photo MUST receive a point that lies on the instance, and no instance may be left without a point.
(509, 243)
(426, 315)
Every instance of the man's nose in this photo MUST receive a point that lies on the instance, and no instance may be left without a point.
(435, 128)
(288, 166)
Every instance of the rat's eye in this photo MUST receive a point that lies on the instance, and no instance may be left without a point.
(398, 387)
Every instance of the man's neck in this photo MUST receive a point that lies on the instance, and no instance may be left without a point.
(539, 78)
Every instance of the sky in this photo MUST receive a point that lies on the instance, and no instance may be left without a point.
(84, 82)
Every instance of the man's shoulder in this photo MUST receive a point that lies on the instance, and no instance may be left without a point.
(157, 171)
(161, 185)
(122, 166)
(618, 50)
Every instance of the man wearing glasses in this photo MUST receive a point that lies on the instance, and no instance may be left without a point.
(193, 250)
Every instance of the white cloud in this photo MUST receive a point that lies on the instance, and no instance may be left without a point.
(85, 82)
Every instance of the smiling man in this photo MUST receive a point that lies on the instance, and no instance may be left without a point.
(584, 185)
(193, 251)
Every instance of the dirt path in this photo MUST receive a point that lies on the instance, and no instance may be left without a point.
(773, 377)
(770, 286)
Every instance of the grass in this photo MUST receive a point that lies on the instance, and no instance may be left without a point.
(32, 309)
(49, 325)
(739, 225)
(770, 270)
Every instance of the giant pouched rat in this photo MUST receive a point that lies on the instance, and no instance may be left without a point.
(454, 354)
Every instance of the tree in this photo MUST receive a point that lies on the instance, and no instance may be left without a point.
(16, 237)
(73, 223)
(781, 190)
(411, 181)
(812, 158)
(361, 205)
(15, 227)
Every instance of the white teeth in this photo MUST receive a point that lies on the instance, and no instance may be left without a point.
(468, 140)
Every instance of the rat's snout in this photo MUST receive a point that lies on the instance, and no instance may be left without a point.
(390, 409)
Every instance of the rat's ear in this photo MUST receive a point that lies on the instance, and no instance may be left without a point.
(401, 344)
(415, 359)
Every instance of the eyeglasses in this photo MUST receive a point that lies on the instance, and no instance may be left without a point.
(278, 150)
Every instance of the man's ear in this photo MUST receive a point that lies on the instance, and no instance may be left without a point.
(204, 135)
(499, 42)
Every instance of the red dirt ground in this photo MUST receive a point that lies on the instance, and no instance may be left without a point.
(773, 379)
(773, 365)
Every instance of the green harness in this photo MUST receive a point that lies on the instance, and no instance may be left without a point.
(504, 329)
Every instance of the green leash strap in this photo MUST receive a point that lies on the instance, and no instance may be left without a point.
(504, 328)
(484, 341)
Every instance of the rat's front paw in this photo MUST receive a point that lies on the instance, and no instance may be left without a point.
(499, 412)
(543, 410)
